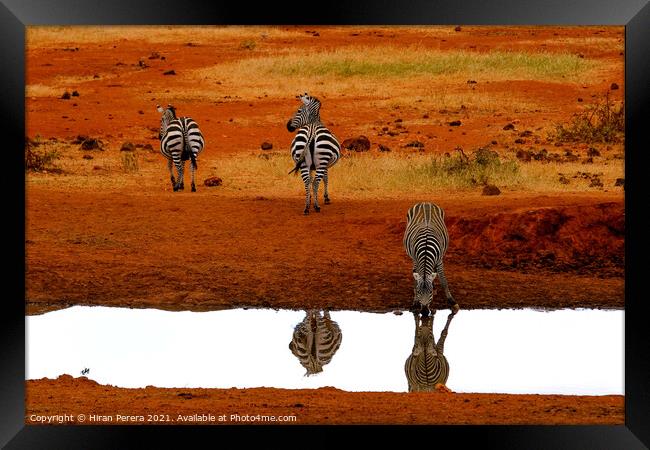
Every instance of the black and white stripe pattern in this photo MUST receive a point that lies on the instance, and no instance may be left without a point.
(315, 341)
(315, 148)
(427, 365)
(425, 241)
(180, 140)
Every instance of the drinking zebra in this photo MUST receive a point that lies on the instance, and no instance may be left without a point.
(323, 148)
(315, 341)
(180, 140)
(425, 241)
(427, 365)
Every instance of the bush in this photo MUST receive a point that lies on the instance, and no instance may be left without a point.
(600, 122)
(130, 162)
(40, 161)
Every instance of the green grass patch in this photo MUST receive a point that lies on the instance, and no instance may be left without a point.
(412, 62)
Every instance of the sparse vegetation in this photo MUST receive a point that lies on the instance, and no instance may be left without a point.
(248, 45)
(130, 162)
(40, 160)
(602, 121)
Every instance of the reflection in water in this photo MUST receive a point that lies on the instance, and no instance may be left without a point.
(315, 341)
(139, 347)
(427, 365)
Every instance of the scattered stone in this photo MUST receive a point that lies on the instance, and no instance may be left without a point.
(519, 141)
(454, 123)
(494, 142)
(593, 152)
(580, 100)
(524, 155)
(75, 93)
(620, 182)
(416, 144)
(510, 126)
(457, 28)
(613, 86)
(398, 120)
(147, 147)
(588, 160)
(87, 156)
(266, 146)
(383, 148)
(91, 144)
(491, 189)
(563, 179)
(213, 181)
(595, 182)
(170, 72)
(154, 55)
(426, 116)
(471, 81)
(127, 147)
(526, 133)
(358, 144)
(66, 95)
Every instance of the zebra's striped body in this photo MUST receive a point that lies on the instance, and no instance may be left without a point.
(425, 241)
(314, 148)
(315, 341)
(427, 365)
(180, 140)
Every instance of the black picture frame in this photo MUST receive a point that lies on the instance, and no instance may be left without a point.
(15, 15)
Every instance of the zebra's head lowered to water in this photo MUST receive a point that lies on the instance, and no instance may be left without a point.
(309, 112)
(423, 288)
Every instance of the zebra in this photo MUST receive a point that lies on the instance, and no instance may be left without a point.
(315, 341)
(427, 365)
(324, 148)
(425, 241)
(180, 140)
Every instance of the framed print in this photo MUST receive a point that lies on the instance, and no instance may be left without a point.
(399, 215)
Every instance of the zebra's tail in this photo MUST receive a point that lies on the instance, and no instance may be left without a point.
(188, 149)
(300, 160)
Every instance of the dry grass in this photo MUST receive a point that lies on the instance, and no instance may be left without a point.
(356, 175)
(44, 36)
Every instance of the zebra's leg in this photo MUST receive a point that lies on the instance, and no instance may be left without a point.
(170, 166)
(180, 167)
(306, 178)
(193, 169)
(317, 178)
(325, 193)
(440, 270)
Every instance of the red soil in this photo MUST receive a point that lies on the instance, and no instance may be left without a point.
(87, 246)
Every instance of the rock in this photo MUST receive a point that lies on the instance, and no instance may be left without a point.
(519, 141)
(127, 147)
(383, 148)
(147, 147)
(213, 181)
(457, 28)
(87, 156)
(358, 144)
(416, 144)
(613, 86)
(425, 116)
(454, 123)
(170, 72)
(398, 120)
(526, 133)
(471, 81)
(563, 179)
(66, 95)
(524, 155)
(75, 93)
(595, 182)
(491, 189)
(620, 182)
(266, 145)
(510, 126)
(592, 152)
(91, 144)
(494, 142)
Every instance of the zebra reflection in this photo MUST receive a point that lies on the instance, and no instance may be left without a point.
(315, 341)
(427, 365)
